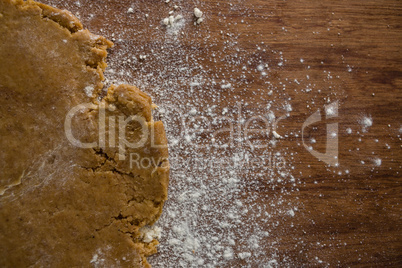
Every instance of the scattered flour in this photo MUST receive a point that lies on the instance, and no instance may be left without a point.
(94, 259)
(244, 255)
(366, 122)
(98, 259)
(174, 24)
(331, 110)
(89, 91)
(377, 161)
(226, 86)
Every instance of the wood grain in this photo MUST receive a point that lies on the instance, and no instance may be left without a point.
(351, 51)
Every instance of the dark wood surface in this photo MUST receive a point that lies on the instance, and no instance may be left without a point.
(351, 51)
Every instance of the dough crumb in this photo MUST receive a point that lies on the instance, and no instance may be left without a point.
(197, 13)
(171, 20)
(150, 233)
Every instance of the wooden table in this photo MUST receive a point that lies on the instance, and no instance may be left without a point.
(317, 52)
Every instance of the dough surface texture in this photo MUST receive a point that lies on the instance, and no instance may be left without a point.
(76, 184)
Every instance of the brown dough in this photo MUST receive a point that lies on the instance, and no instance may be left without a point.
(62, 205)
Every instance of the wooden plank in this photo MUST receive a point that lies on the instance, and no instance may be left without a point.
(322, 51)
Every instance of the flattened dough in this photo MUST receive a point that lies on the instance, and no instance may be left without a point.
(62, 205)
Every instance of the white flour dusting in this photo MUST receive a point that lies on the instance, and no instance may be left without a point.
(366, 122)
(377, 161)
(98, 259)
(89, 91)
